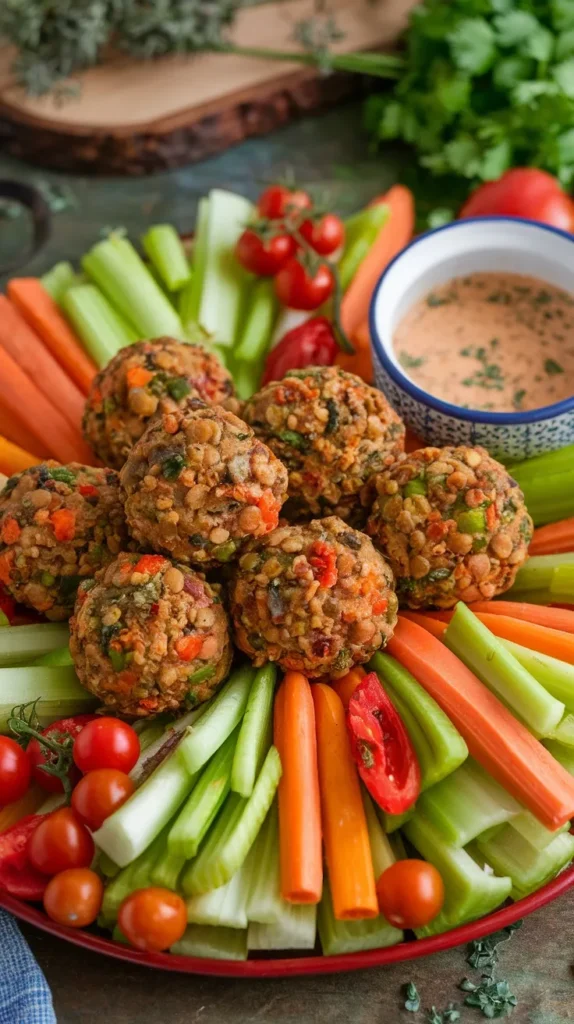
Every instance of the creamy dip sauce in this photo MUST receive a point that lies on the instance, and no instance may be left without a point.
(490, 341)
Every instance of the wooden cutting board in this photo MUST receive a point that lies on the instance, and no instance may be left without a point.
(136, 117)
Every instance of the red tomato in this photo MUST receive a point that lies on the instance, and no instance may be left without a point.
(99, 794)
(410, 893)
(277, 200)
(325, 235)
(297, 288)
(153, 919)
(74, 897)
(523, 192)
(62, 732)
(311, 344)
(106, 743)
(17, 877)
(15, 771)
(264, 257)
(60, 842)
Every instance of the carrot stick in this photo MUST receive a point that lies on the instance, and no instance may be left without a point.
(39, 309)
(500, 743)
(542, 615)
(299, 803)
(26, 349)
(427, 621)
(554, 642)
(347, 685)
(12, 427)
(14, 459)
(393, 237)
(20, 397)
(347, 848)
(553, 539)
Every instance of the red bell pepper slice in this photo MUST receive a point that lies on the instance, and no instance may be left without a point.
(17, 877)
(381, 747)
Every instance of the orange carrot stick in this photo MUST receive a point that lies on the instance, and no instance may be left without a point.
(39, 310)
(427, 621)
(299, 803)
(347, 685)
(13, 429)
(554, 618)
(500, 743)
(553, 539)
(14, 459)
(392, 237)
(347, 847)
(554, 642)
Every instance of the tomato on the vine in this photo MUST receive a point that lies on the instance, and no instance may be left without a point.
(60, 842)
(106, 743)
(64, 732)
(261, 256)
(278, 201)
(325, 235)
(99, 794)
(299, 288)
(410, 893)
(74, 897)
(153, 919)
(15, 771)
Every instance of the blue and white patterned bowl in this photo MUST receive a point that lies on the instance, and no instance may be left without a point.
(504, 244)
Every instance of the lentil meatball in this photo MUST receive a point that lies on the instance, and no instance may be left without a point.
(453, 525)
(149, 636)
(142, 379)
(316, 598)
(58, 524)
(333, 432)
(199, 483)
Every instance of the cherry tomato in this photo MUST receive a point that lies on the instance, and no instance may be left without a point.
(297, 288)
(264, 257)
(410, 893)
(99, 794)
(74, 897)
(62, 732)
(107, 743)
(15, 771)
(60, 842)
(325, 235)
(278, 200)
(153, 919)
(523, 192)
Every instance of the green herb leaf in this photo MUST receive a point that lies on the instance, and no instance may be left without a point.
(553, 368)
(172, 466)
(412, 1000)
(293, 438)
(472, 45)
(177, 388)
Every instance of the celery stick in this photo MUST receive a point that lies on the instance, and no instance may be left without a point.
(417, 736)
(224, 280)
(207, 797)
(352, 936)
(58, 689)
(246, 377)
(57, 280)
(360, 223)
(534, 831)
(233, 832)
(136, 875)
(257, 328)
(106, 866)
(297, 931)
(392, 822)
(469, 891)
(131, 829)
(25, 643)
(265, 904)
(562, 584)
(220, 719)
(118, 936)
(185, 301)
(538, 571)
(256, 731)
(226, 906)
(212, 943)
(167, 869)
(498, 669)
(102, 330)
(190, 313)
(563, 754)
(59, 657)
(162, 744)
(557, 677)
(549, 496)
(564, 731)
(539, 596)
(466, 804)
(165, 250)
(559, 461)
(509, 853)
(381, 850)
(124, 278)
(356, 249)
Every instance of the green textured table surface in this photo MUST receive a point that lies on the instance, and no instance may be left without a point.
(330, 153)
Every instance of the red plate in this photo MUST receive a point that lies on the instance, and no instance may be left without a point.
(293, 966)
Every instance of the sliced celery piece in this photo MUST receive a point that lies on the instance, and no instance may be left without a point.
(106, 866)
(297, 930)
(227, 906)
(167, 869)
(557, 677)
(467, 803)
(224, 280)
(61, 656)
(25, 643)
(212, 943)
(57, 280)
(257, 330)
(57, 690)
(564, 731)
(206, 798)
(102, 330)
(246, 377)
(255, 733)
(392, 822)
(190, 308)
(381, 850)
(562, 585)
(469, 891)
(510, 854)
(534, 831)
(564, 755)
(165, 250)
(223, 715)
(360, 223)
(537, 572)
(352, 936)
(492, 662)
(233, 833)
(163, 743)
(358, 244)
(136, 875)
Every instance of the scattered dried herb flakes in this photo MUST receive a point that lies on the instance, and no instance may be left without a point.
(412, 1000)
(552, 367)
(493, 998)
(409, 362)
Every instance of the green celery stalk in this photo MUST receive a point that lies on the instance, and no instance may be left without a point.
(509, 853)
(117, 269)
(466, 804)
(57, 280)
(564, 731)
(559, 461)
(562, 585)
(206, 798)
(102, 330)
(233, 832)
(557, 677)
(224, 280)
(563, 754)
(381, 850)
(25, 643)
(469, 891)
(550, 496)
(258, 323)
(540, 596)
(136, 875)
(392, 822)
(246, 377)
(534, 831)
(352, 936)
(537, 573)
(358, 247)
(106, 866)
(185, 302)
(163, 742)
(190, 312)
(223, 715)
(167, 869)
(492, 662)
(298, 930)
(225, 907)
(165, 250)
(59, 657)
(212, 943)
(255, 734)
(57, 690)
(360, 223)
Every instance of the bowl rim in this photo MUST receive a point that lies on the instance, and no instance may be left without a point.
(457, 411)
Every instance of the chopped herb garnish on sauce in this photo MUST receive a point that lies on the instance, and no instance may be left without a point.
(552, 367)
(409, 362)
(518, 398)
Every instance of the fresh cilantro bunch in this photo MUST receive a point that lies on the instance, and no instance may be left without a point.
(487, 84)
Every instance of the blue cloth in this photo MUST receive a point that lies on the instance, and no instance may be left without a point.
(24, 994)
